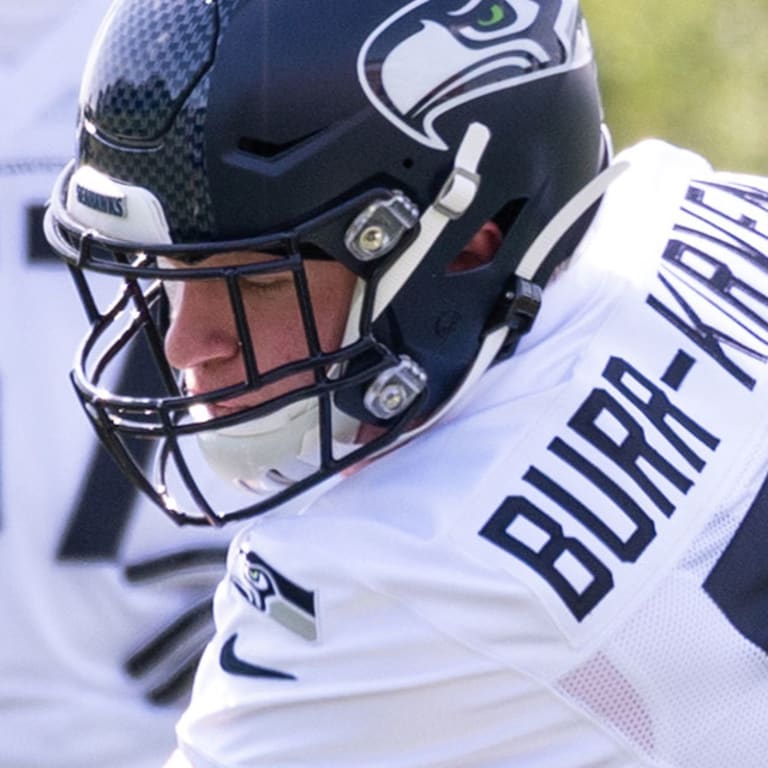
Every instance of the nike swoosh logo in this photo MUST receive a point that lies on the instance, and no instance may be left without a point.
(235, 666)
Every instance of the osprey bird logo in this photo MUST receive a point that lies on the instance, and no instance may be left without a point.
(433, 55)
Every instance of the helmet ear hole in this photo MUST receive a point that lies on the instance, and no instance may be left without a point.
(485, 243)
(509, 214)
(479, 251)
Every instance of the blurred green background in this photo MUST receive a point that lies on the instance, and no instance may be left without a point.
(693, 72)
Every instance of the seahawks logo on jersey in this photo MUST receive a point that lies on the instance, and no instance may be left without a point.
(474, 48)
(271, 592)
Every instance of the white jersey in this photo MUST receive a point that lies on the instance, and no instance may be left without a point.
(104, 604)
(569, 570)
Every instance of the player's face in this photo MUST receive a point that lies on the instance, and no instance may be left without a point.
(203, 340)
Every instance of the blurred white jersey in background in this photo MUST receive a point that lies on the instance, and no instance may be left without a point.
(104, 604)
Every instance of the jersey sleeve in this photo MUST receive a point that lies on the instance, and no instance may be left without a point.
(311, 665)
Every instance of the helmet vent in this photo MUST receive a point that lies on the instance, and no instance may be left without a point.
(269, 150)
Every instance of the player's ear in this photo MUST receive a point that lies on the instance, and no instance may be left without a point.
(479, 250)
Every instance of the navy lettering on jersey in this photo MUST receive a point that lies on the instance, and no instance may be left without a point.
(37, 252)
(644, 529)
(716, 264)
(101, 513)
(547, 559)
(38, 249)
(743, 193)
(614, 422)
(738, 584)
(631, 450)
(657, 407)
(681, 366)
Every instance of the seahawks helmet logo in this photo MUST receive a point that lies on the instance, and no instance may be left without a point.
(433, 55)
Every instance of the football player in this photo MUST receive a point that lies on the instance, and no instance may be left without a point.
(492, 401)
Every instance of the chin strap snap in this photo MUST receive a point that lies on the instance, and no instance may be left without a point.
(521, 302)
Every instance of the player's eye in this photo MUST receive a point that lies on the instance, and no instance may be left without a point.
(266, 285)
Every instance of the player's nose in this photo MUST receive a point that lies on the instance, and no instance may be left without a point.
(202, 327)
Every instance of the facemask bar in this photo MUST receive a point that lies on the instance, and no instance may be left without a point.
(168, 428)
(171, 458)
(122, 420)
(165, 420)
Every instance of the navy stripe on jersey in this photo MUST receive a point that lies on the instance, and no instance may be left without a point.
(739, 581)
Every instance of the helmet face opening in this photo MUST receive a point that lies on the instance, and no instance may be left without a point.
(298, 255)
(252, 346)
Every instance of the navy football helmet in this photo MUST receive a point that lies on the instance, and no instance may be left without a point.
(379, 135)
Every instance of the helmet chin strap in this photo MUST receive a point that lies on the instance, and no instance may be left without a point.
(451, 203)
(453, 200)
